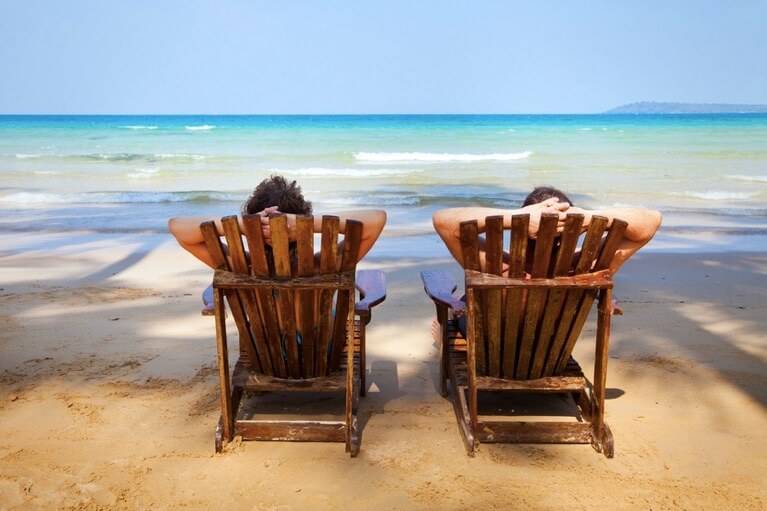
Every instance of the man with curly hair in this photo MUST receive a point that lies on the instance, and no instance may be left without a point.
(275, 195)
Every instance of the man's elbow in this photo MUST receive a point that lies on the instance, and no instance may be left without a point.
(174, 226)
(441, 222)
(656, 217)
(649, 226)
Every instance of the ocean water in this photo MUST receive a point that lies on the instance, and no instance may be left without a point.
(125, 174)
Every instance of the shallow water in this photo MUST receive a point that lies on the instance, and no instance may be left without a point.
(706, 173)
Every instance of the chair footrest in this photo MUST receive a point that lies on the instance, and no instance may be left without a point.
(291, 431)
(537, 432)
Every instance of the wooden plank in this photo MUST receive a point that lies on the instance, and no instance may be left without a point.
(220, 261)
(344, 313)
(544, 245)
(273, 362)
(520, 225)
(515, 297)
(594, 280)
(591, 244)
(473, 361)
(611, 244)
(307, 318)
(475, 330)
(328, 264)
(569, 242)
(256, 382)
(546, 384)
(252, 317)
(586, 299)
(351, 246)
(492, 298)
(470, 245)
(298, 431)
(556, 297)
(534, 432)
(536, 298)
(546, 336)
(252, 227)
(222, 351)
(601, 353)
(283, 298)
(230, 280)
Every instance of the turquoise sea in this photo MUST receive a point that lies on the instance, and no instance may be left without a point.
(129, 174)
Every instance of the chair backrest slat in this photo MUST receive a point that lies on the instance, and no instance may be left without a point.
(292, 313)
(305, 267)
(345, 298)
(520, 328)
(220, 261)
(251, 343)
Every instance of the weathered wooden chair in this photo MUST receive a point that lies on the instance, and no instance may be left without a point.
(299, 327)
(522, 327)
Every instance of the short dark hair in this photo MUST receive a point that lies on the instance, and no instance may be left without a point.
(541, 193)
(277, 191)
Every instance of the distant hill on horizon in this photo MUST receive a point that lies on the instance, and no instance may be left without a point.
(656, 107)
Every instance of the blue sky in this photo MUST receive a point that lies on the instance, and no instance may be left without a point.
(410, 56)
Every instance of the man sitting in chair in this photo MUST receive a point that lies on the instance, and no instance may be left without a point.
(272, 196)
(642, 223)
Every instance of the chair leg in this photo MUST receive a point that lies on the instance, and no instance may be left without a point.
(444, 345)
(363, 361)
(352, 407)
(219, 439)
(352, 428)
(227, 415)
(602, 440)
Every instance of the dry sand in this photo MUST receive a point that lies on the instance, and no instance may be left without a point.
(109, 395)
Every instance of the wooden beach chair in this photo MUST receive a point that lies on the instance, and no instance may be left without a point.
(301, 330)
(521, 330)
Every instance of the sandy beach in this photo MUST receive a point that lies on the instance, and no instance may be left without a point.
(109, 394)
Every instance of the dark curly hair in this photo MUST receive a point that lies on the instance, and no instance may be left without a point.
(541, 193)
(277, 191)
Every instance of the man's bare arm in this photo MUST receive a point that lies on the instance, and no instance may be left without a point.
(447, 222)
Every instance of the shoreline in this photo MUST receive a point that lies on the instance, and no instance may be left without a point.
(393, 244)
(109, 395)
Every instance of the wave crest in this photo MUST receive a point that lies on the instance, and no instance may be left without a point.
(438, 157)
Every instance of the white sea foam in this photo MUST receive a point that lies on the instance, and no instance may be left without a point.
(755, 179)
(180, 156)
(31, 198)
(139, 127)
(349, 172)
(23, 156)
(438, 157)
(204, 127)
(143, 173)
(717, 195)
(378, 200)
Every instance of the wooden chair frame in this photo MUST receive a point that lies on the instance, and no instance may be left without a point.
(299, 326)
(522, 327)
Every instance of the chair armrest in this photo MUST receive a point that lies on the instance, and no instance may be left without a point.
(207, 301)
(440, 286)
(372, 287)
